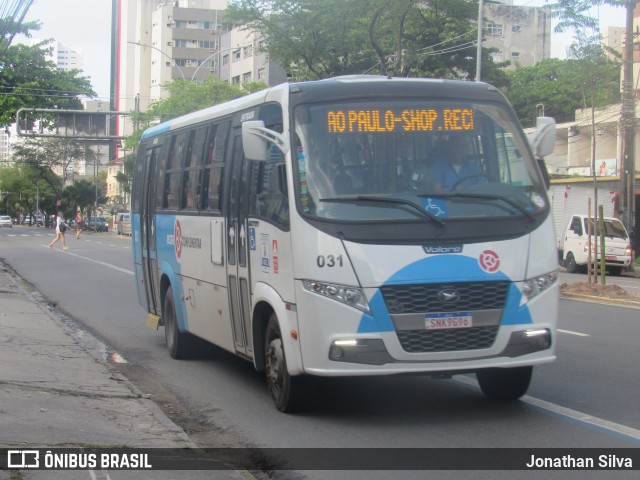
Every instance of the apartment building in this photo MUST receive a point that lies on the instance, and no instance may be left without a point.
(521, 35)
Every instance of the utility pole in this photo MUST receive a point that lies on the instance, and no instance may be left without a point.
(627, 172)
(479, 47)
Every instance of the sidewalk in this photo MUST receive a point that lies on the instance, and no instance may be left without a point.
(54, 394)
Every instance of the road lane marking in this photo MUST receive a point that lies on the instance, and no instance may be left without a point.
(578, 334)
(104, 264)
(623, 432)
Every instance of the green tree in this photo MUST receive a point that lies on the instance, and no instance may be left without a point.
(51, 158)
(560, 87)
(574, 14)
(29, 80)
(11, 22)
(315, 39)
(186, 97)
(81, 195)
(24, 191)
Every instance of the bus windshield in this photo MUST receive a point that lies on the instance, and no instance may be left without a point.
(378, 160)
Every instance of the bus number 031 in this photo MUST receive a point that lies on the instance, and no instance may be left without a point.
(329, 261)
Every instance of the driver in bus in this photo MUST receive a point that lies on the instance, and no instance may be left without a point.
(457, 166)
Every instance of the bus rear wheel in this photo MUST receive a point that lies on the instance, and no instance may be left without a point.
(504, 383)
(287, 391)
(180, 344)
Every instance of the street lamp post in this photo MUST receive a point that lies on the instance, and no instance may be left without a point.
(161, 52)
(213, 55)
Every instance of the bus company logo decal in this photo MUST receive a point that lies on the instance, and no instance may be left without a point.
(489, 261)
(177, 238)
(436, 249)
(448, 295)
(182, 241)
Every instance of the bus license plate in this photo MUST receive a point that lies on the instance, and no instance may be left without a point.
(610, 258)
(448, 320)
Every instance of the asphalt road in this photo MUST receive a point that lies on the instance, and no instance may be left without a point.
(587, 399)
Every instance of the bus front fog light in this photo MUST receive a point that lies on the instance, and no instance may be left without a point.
(338, 348)
(335, 352)
(540, 337)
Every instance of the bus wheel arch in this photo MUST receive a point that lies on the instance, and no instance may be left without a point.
(261, 314)
(288, 392)
(180, 344)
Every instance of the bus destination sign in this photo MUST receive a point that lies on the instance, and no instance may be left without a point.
(425, 120)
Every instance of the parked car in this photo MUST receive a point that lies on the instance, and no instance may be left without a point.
(5, 221)
(96, 224)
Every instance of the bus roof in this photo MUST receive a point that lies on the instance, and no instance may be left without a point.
(340, 88)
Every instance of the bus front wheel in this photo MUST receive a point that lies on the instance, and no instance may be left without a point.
(180, 344)
(504, 383)
(286, 390)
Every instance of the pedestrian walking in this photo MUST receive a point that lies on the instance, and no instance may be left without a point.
(61, 227)
(79, 224)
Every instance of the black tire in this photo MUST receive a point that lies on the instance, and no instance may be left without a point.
(504, 383)
(180, 344)
(570, 263)
(287, 392)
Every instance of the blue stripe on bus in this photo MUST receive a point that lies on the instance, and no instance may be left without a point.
(157, 130)
(443, 268)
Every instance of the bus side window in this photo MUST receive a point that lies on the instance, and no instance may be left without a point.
(213, 172)
(271, 201)
(193, 165)
(172, 172)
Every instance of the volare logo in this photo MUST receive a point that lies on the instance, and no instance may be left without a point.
(435, 249)
(23, 459)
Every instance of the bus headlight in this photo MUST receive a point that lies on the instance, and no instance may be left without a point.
(537, 285)
(352, 296)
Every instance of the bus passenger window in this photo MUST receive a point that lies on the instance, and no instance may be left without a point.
(191, 189)
(171, 191)
(211, 185)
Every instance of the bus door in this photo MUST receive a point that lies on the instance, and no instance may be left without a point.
(238, 249)
(148, 231)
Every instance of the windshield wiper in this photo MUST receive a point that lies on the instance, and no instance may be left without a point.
(483, 196)
(392, 201)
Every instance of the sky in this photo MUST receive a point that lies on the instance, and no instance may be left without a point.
(608, 17)
(86, 25)
(83, 25)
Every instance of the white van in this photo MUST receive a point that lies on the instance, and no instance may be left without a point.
(124, 223)
(575, 244)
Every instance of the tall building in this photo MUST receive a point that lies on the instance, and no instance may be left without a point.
(65, 58)
(520, 34)
(243, 59)
(160, 41)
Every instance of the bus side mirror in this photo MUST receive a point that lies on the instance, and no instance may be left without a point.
(256, 139)
(544, 138)
(255, 147)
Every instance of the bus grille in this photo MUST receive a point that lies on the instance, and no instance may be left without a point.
(427, 341)
(423, 298)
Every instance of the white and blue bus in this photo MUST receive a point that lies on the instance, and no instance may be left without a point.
(318, 229)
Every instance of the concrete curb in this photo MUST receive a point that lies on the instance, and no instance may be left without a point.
(592, 298)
